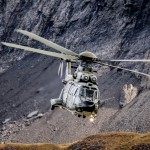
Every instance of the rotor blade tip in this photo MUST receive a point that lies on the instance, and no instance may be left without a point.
(16, 30)
(19, 30)
(3, 43)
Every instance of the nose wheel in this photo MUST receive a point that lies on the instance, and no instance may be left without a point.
(84, 116)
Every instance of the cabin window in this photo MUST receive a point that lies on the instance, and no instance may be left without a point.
(70, 90)
(82, 91)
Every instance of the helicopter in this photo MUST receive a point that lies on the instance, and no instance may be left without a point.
(80, 94)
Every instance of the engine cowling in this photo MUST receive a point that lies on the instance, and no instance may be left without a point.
(93, 78)
(85, 77)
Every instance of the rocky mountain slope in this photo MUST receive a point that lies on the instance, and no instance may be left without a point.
(109, 28)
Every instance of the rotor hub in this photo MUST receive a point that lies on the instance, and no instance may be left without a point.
(86, 56)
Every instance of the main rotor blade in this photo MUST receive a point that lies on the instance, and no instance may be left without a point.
(133, 71)
(132, 60)
(63, 56)
(47, 42)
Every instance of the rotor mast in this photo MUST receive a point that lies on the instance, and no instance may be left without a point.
(68, 67)
(68, 75)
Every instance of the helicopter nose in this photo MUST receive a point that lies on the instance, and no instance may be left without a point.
(87, 104)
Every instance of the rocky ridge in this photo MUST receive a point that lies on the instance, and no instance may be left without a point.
(109, 141)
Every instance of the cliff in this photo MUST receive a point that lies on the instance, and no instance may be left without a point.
(111, 29)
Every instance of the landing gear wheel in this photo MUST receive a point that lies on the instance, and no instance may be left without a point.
(52, 107)
(79, 115)
(84, 116)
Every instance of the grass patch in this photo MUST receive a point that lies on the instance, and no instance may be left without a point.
(109, 141)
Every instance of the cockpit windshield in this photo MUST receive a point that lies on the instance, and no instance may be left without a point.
(88, 93)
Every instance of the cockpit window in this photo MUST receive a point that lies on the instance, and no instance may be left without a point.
(88, 93)
(82, 93)
(95, 95)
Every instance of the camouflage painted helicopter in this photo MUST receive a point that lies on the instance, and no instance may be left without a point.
(80, 94)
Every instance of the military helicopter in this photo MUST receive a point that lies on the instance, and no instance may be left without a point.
(80, 94)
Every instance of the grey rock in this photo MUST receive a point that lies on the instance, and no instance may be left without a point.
(34, 113)
(129, 92)
(6, 120)
(40, 115)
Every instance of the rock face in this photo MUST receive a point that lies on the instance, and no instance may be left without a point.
(34, 113)
(113, 29)
(109, 28)
(129, 92)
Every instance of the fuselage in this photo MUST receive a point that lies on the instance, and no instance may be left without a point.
(81, 97)
(80, 94)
